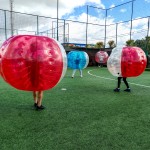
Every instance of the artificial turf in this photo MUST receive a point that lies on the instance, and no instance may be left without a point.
(81, 114)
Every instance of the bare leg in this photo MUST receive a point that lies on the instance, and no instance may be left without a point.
(35, 97)
(40, 97)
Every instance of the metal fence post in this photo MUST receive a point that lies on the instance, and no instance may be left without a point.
(37, 25)
(116, 33)
(148, 24)
(68, 33)
(5, 25)
(105, 29)
(64, 34)
(57, 19)
(87, 19)
(52, 30)
(131, 20)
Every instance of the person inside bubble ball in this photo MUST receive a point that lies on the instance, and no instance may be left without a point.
(74, 71)
(101, 59)
(119, 83)
(77, 61)
(38, 96)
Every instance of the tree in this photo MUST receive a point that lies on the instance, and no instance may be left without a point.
(99, 45)
(147, 38)
(130, 43)
(140, 43)
(111, 44)
(147, 43)
(144, 44)
(90, 45)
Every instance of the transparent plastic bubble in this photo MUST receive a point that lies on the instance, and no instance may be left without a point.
(77, 59)
(127, 61)
(32, 63)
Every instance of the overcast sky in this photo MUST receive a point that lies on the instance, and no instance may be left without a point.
(76, 10)
(47, 7)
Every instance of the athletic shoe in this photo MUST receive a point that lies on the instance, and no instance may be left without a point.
(127, 90)
(116, 90)
(40, 107)
(35, 105)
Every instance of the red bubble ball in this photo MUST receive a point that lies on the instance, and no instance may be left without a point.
(32, 63)
(133, 61)
(101, 57)
(127, 61)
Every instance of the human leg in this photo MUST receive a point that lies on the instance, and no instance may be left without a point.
(80, 73)
(73, 73)
(39, 102)
(119, 82)
(35, 98)
(40, 97)
(127, 85)
(118, 85)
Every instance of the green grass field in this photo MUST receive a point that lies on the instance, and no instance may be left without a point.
(88, 115)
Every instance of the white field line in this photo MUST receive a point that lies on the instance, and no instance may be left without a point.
(115, 79)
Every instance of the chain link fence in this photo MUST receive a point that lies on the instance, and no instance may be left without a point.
(93, 25)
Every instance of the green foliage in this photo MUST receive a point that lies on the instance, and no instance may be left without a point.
(99, 45)
(143, 43)
(111, 44)
(90, 45)
(148, 44)
(130, 43)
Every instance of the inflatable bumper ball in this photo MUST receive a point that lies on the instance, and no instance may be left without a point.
(127, 61)
(77, 59)
(101, 57)
(32, 63)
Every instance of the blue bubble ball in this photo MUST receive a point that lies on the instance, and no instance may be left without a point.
(77, 59)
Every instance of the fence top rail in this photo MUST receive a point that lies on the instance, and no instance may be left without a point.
(121, 4)
(128, 20)
(28, 14)
(111, 7)
(80, 21)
